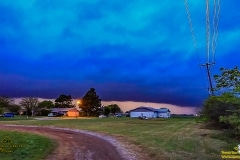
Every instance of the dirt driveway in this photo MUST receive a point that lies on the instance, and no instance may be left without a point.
(82, 145)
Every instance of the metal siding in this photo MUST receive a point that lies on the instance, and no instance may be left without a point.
(141, 109)
(140, 114)
(165, 115)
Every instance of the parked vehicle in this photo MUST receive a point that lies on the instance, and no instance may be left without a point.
(55, 114)
(50, 115)
(8, 115)
(60, 114)
(118, 115)
(102, 116)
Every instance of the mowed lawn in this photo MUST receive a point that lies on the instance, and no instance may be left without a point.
(24, 146)
(173, 138)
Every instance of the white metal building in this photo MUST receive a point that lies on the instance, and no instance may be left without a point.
(164, 113)
(149, 112)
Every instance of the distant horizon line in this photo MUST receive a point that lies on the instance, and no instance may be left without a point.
(129, 105)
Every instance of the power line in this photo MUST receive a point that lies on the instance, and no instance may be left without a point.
(207, 32)
(208, 64)
(191, 27)
(210, 60)
(215, 24)
(215, 27)
(193, 38)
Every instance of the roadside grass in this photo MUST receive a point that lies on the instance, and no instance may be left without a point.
(24, 146)
(16, 118)
(173, 138)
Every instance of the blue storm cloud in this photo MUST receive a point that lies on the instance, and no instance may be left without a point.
(128, 50)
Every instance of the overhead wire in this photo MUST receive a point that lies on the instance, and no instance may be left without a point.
(207, 32)
(208, 64)
(215, 23)
(215, 27)
(211, 40)
(193, 38)
(191, 27)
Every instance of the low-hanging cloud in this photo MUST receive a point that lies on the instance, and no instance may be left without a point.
(127, 50)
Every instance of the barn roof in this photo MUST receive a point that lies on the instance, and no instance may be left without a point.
(142, 109)
(150, 109)
(163, 110)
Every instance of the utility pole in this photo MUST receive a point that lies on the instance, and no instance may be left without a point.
(207, 64)
(209, 77)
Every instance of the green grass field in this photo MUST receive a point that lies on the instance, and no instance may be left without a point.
(15, 118)
(24, 146)
(174, 138)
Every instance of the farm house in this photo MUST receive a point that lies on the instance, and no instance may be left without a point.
(149, 112)
(73, 113)
(60, 111)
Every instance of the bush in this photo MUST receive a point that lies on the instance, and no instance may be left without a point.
(233, 122)
(217, 106)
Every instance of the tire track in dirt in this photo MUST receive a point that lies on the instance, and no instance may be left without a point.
(80, 145)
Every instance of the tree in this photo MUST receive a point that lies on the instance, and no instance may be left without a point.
(46, 104)
(64, 101)
(1, 110)
(44, 107)
(14, 108)
(113, 108)
(224, 107)
(106, 110)
(91, 104)
(216, 106)
(228, 81)
(30, 104)
(4, 103)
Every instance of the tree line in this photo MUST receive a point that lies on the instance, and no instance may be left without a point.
(90, 105)
(223, 108)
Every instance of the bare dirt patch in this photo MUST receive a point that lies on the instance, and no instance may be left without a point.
(82, 145)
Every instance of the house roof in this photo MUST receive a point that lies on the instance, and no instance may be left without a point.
(150, 109)
(143, 109)
(61, 109)
(73, 110)
(163, 110)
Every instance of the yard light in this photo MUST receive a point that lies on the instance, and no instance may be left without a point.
(79, 102)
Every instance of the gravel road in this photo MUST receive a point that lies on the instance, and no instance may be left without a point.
(76, 144)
